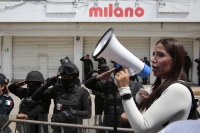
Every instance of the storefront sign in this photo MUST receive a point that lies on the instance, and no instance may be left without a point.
(111, 11)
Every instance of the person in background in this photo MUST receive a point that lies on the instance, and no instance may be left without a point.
(109, 88)
(187, 66)
(72, 103)
(198, 69)
(88, 65)
(146, 62)
(99, 101)
(100, 60)
(28, 108)
(155, 108)
(6, 103)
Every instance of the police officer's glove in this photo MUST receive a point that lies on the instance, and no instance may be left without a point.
(64, 115)
(50, 81)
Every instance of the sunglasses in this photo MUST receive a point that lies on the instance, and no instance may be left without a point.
(66, 69)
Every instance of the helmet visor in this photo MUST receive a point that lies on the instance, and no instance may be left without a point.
(66, 69)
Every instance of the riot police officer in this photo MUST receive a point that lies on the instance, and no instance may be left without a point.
(99, 101)
(6, 102)
(28, 108)
(105, 83)
(71, 102)
(100, 60)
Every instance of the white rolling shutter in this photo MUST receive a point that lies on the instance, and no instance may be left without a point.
(89, 44)
(188, 45)
(40, 53)
(138, 46)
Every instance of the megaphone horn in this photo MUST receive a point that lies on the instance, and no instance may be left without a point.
(109, 47)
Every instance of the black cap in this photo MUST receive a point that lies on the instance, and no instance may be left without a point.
(3, 79)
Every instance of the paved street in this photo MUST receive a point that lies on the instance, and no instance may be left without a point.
(91, 121)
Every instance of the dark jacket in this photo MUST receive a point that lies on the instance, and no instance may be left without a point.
(188, 62)
(51, 93)
(6, 104)
(100, 61)
(87, 63)
(40, 108)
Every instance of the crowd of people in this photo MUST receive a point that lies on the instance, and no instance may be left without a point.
(120, 101)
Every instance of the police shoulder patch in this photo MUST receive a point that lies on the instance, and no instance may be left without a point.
(6, 95)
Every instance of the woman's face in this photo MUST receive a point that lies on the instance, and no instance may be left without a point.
(161, 62)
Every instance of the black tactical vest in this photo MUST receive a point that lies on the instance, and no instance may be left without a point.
(66, 100)
(110, 104)
(63, 102)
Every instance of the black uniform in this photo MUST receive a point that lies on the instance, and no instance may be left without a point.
(198, 69)
(76, 98)
(35, 110)
(88, 65)
(6, 105)
(72, 103)
(99, 96)
(100, 61)
(109, 87)
(187, 66)
(27, 105)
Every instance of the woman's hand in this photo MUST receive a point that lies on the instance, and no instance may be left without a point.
(143, 93)
(105, 75)
(122, 78)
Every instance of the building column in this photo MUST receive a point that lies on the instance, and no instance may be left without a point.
(196, 54)
(78, 53)
(6, 57)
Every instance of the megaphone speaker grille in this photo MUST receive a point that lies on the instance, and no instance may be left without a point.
(103, 42)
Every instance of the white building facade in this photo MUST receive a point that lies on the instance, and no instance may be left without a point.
(35, 35)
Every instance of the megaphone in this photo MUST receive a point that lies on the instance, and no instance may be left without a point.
(109, 47)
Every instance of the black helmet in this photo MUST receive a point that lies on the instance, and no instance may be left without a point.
(35, 76)
(104, 67)
(3, 79)
(68, 67)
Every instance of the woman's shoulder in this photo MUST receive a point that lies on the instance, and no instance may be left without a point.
(178, 87)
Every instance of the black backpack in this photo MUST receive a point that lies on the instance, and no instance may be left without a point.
(194, 113)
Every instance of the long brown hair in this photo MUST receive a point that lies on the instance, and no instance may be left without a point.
(176, 50)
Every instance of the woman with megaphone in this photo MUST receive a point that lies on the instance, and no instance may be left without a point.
(158, 108)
